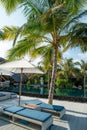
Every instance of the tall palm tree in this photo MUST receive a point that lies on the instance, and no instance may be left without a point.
(43, 17)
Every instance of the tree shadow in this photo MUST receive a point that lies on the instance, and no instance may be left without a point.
(76, 112)
(56, 127)
(75, 122)
(3, 123)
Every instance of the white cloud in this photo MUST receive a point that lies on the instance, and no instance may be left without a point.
(67, 53)
(4, 47)
(75, 60)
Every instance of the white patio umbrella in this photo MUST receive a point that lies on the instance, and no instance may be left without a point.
(5, 72)
(20, 66)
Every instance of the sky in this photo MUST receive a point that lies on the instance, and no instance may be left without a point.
(17, 18)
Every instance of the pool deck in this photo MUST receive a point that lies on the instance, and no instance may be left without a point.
(74, 119)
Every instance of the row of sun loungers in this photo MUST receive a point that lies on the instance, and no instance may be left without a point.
(42, 119)
(33, 114)
(7, 95)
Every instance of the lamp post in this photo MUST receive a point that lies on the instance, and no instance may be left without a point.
(42, 83)
(85, 84)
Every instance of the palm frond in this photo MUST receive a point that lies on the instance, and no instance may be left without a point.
(9, 32)
(73, 6)
(17, 34)
(34, 7)
(1, 35)
(23, 47)
(72, 21)
(42, 50)
(79, 36)
(10, 5)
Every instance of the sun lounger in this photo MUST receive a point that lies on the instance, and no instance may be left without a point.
(2, 97)
(54, 109)
(43, 119)
(9, 94)
(40, 118)
(13, 95)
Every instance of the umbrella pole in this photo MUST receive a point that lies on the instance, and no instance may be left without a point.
(20, 85)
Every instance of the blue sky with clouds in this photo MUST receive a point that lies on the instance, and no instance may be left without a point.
(76, 54)
(18, 19)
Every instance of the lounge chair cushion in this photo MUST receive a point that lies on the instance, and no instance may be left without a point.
(34, 114)
(34, 101)
(13, 109)
(12, 93)
(1, 95)
(51, 107)
(58, 108)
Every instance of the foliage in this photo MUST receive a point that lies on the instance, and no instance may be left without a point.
(63, 83)
(60, 83)
(28, 84)
(46, 91)
(69, 92)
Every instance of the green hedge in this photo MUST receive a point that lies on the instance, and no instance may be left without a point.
(57, 91)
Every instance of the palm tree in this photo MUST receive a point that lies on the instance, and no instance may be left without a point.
(83, 71)
(78, 33)
(69, 71)
(46, 20)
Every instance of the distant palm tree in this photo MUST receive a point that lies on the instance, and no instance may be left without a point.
(46, 20)
(83, 68)
(69, 68)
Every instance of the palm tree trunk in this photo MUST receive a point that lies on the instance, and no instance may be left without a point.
(49, 73)
(21, 74)
(84, 87)
(53, 77)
